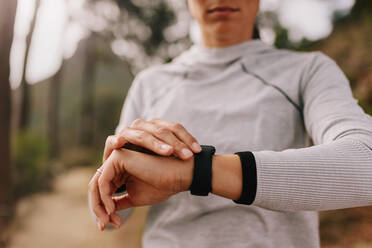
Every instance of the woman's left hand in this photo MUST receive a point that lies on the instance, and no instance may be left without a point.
(149, 180)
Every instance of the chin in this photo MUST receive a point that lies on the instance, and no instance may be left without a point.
(224, 27)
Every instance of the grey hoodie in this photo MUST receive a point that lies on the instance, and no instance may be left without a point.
(253, 97)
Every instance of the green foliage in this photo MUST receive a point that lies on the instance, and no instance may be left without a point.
(367, 106)
(156, 15)
(361, 8)
(161, 18)
(78, 156)
(30, 161)
(282, 41)
(107, 113)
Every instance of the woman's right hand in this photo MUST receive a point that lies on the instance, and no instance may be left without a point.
(160, 136)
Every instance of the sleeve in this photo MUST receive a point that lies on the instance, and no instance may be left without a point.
(133, 105)
(337, 171)
(132, 109)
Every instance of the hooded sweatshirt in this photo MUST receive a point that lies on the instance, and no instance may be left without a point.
(295, 111)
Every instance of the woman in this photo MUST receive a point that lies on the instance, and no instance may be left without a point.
(237, 94)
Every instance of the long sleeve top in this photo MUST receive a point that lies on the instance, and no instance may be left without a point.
(295, 111)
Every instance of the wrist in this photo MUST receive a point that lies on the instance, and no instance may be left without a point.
(186, 173)
(227, 176)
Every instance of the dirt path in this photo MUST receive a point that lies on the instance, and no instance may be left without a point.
(61, 219)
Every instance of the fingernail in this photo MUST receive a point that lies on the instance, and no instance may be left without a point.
(107, 211)
(100, 226)
(165, 147)
(195, 146)
(186, 152)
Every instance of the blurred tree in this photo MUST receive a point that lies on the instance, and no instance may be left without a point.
(360, 9)
(25, 89)
(7, 18)
(141, 28)
(270, 20)
(87, 89)
(281, 39)
(96, 52)
(142, 25)
(53, 112)
(54, 95)
(156, 16)
(350, 45)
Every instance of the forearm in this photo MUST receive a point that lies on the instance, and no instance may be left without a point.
(332, 176)
(324, 177)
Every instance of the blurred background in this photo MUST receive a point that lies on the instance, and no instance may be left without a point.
(65, 69)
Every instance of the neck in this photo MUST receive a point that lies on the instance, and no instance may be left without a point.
(217, 40)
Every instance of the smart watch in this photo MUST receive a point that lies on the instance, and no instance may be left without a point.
(202, 179)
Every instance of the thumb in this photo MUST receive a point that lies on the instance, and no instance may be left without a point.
(112, 142)
(120, 141)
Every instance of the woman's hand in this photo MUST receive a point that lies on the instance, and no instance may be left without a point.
(160, 136)
(149, 180)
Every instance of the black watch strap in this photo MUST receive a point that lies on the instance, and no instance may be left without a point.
(249, 173)
(202, 180)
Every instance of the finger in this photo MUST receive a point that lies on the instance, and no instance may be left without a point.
(161, 132)
(181, 150)
(145, 139)
(96, 200)
(106, 187)
(120, 141)
(115, 219)
(95, 203)
(112, 143)
(123, 202)
(182, 134)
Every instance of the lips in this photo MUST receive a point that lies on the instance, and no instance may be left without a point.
(222, 9)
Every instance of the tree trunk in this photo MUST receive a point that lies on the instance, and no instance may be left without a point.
(53, 113)
(7, 18)
(87, 108)
(25, 94)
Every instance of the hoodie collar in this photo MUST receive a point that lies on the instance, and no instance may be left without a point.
(199, 54)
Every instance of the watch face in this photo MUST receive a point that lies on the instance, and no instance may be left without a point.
(121, 191)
